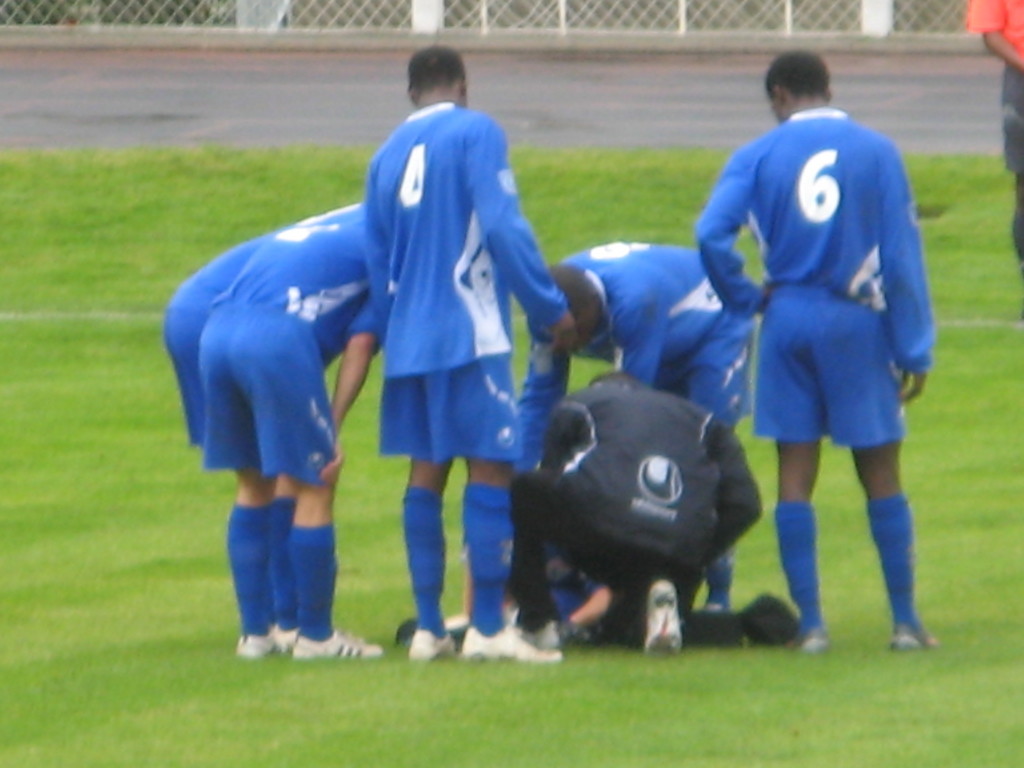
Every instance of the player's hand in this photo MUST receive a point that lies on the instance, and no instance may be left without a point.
(912, 385)
(564, 336)
(332, 470)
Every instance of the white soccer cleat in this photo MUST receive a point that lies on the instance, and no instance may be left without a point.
(426, 646)
(664, 633)
(340, 645)
(509, 643)
(255, 646)
(284, 639)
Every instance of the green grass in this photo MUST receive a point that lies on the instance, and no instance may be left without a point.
(114, 591)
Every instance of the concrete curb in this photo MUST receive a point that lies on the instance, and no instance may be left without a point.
(91, 38)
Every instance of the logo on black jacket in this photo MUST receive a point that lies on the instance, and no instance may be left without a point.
(660, 481)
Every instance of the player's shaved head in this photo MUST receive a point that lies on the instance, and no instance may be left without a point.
(802, 73)
(435, 67)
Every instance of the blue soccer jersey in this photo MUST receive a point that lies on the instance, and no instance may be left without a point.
(448, 244)
(663, 323)
(316, 271)
(830, 204)
(292, 309)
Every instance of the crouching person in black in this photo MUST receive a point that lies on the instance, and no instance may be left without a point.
(642, 490)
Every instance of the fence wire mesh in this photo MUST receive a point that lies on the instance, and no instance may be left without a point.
(667, 16)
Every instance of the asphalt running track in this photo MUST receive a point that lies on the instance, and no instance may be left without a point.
(935, 103)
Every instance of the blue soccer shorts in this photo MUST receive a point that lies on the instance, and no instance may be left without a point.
(183, 326)
(267, 403)
(824, 368)
(467, 412)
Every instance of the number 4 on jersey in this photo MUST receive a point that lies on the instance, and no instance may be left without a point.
(411, 191)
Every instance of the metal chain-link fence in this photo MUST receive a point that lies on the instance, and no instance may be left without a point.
(665, 16)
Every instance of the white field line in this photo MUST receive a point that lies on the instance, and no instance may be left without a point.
(79, 317)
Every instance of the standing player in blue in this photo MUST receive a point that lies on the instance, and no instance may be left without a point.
(185, 316)
(298, 303)
(447, 246)
(847, 332)
(651, 311)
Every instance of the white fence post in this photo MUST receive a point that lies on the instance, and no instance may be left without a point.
(267, 15)
(876, 17)
(427, 16)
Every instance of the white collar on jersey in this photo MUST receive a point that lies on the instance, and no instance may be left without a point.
(812, 112)
(429, 110)
(598, 286)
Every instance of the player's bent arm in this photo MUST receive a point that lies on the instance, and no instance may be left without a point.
(594, 609)
(352, 372)
(717, 228)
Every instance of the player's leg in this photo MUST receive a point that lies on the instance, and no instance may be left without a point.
(718, 576)
(487, 524)
(229, 442)
(423, 525)
(248, 548)
(285, 381)
(865, 414)
(536, 502)
(282, 575)
(406, 429)
(789, 410)
(796, 529)
(313, 551)
(892, 528)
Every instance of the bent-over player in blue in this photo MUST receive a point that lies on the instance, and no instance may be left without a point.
(649, 310)
(448, 244)
(298, 303)
(847, 332)
(184, 318)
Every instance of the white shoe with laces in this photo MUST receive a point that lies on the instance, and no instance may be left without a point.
(509, 643)
(426, 646)
(339, 645)
(664, 632)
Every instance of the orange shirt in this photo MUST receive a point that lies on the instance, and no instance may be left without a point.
(1006, 16)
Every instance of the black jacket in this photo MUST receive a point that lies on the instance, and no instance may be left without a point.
(652, 470)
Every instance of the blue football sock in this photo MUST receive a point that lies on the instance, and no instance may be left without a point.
(316, 567)
(425, 552)
(282, 577)
(892, 527)
(797, 533)
(248, 544)
(487, 524)
(718, 576)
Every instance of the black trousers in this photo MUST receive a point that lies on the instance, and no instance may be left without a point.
(541, 513)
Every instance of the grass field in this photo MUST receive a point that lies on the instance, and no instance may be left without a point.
(114, 590)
